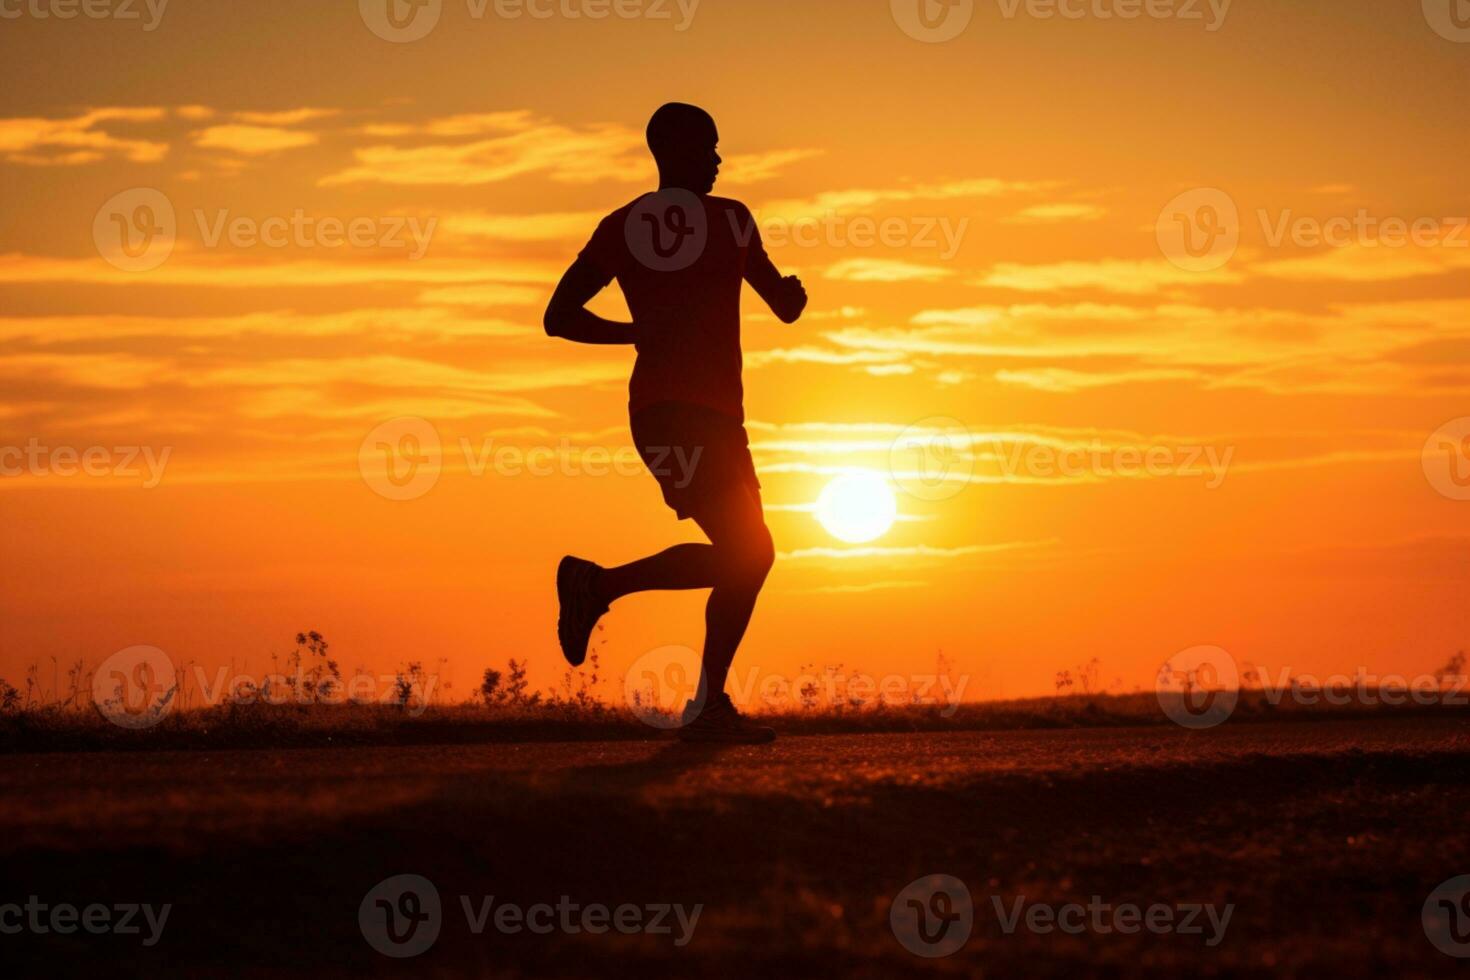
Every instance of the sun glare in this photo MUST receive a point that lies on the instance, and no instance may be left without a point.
(857, 507)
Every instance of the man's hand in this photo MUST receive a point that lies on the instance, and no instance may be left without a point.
(790, 299)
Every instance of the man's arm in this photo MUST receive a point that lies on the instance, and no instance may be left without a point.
(786, 296)
(567, 315)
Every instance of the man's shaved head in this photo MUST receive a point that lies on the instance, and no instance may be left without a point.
(683, 138)
(675, 125)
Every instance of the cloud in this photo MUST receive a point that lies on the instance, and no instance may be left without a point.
(1065, 380)
(923, 551)
(867, 199)
(198, 268)
(544, 227)
(80, 139)
(885, 270)
(428, 322)
(1041, 214)
(1372, 263)
(289, 117)
(817, 355)
(510, 144)
(1133, 277)
(252, 140)
(748, 168)
(883, 585)
(493, 294)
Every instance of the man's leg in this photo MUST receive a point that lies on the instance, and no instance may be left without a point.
(684, 566)
(742, 553)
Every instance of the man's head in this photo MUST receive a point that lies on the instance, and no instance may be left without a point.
(683, 139)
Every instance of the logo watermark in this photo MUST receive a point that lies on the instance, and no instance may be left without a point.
(138, 229)
(406, 21)
(1200, 230)
(664, 688)
(136, 687)
(403, 459)
(147, 13)
(65, 462)
(667, 230)
(135, 230)
(1201, 687)
(932, 459)
(1102, 918)
(859, 231)
(1450, 19)
(933, 916)
(937, 21)
(403, 916)
(299, 230)
(1446, 459)
(1446, 917)
(1045, 461)
(64, 919)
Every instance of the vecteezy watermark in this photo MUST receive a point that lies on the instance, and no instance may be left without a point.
(936, 21)
(1200, 230)
(402, 916)
(1046, 461)
(402, 459)
(664, 688)
(412, 691)
(35, 459)
(932, 916)
(300, 230)
(404, 21)
(667, 230)
(857, 231)
(933, 459)
(137, 230)
(147, 12)
(136, 687)
(1446, 459)
(1103, 918)
(1201, 687)
(1450, 19)
(64, 919)
(1446, 917)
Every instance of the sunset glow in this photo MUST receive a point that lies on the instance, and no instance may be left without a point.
(1143, 360)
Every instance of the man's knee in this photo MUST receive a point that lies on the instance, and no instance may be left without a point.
(749, 560)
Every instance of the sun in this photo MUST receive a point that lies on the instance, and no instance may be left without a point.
(857, 507)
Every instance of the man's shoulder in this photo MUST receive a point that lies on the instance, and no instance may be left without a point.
(728, 204)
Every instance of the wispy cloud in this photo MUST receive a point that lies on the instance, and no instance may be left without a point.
(252, 140)
(74, 140)
(1127, 276)
(885, 270)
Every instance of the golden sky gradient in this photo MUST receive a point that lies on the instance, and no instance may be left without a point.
(982, 224)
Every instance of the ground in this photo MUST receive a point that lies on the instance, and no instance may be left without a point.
(1325, 837)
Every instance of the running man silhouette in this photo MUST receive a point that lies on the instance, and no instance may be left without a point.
(679, 256)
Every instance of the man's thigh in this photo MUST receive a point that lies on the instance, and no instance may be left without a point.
(731, 517)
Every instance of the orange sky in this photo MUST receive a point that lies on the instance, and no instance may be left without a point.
(1019, 288)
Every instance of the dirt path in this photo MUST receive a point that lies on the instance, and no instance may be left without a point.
(1322, 839)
